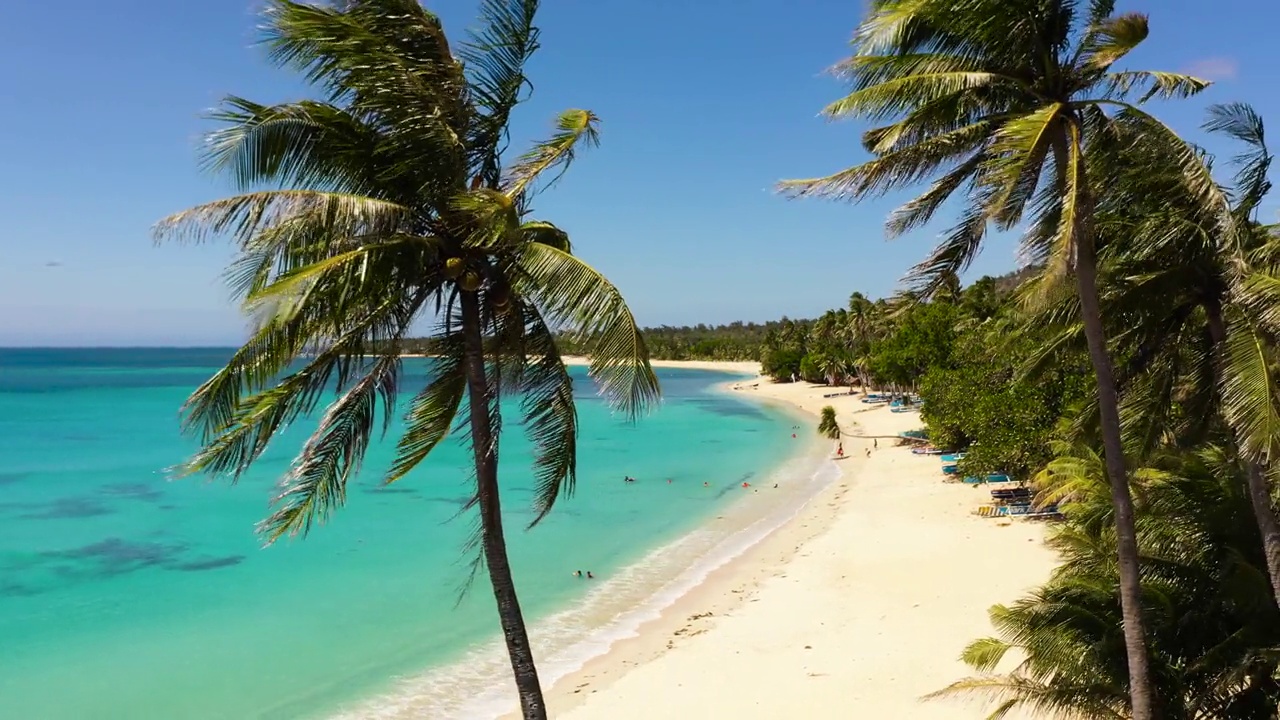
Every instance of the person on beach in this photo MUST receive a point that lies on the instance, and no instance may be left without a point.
(875, 443)
(868, 452)
(840, 450)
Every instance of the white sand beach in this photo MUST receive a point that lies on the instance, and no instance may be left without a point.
(746, 367)
(856, 608)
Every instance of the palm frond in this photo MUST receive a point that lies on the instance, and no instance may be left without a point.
(889, 26)
(1242, 122)
(494, 217)
(952, 256)
(303, 145)
(494, 58)
(316, 484)
(893, 169)
(235, 430)
(573, 295)
(1259, 293)
(245, 216)
(551, 419)
(374, 53)
(546, 234)
(1012, 692)
(1249, 390)
(1194, 174)
(1112, 38)
(1017, 153)
(433, 410)
(899, 95)
(573, 129)
(1151, 84)
(985, 654)
(919, 211)
(351, 269)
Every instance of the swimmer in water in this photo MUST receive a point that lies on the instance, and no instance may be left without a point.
(577, 573)
(590, 576)
(706, 484)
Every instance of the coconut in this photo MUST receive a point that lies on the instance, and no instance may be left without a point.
(453, 267)
(470, 281)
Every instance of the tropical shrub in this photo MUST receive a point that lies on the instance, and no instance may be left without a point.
(827, 425)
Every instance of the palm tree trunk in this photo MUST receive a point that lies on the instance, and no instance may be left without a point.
(493, 544)
(1113, 450)
(1264, 512)
(1141, 697)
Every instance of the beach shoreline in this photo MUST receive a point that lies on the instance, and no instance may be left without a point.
(842, 607)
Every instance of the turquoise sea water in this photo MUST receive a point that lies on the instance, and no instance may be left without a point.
(125, 595)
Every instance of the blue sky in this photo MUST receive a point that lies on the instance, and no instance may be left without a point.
(705, 104)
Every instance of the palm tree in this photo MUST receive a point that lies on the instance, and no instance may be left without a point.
(389, 203)
(832, 365)
(1007, 99)
(1213, 632)
(1183, 304)
(861, 319)
(827, 425)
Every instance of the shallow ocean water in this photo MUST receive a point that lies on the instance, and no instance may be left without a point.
(126, 595)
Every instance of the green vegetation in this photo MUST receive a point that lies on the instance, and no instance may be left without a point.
(1142, 333)
(1212, 628)
(735, 341)
(982, 403)
(827, 425)
(398, 206)
(1005, 98)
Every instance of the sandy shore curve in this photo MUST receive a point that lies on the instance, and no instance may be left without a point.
(857, 607)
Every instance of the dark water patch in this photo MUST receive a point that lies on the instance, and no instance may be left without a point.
(385, 490)
(80, 438)
(67, 509)
(133, 491)
(12, 478)
(115, 556)
(729, 408)
(213, 564)
(460, 502)
(9, 588)
(166, 507)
